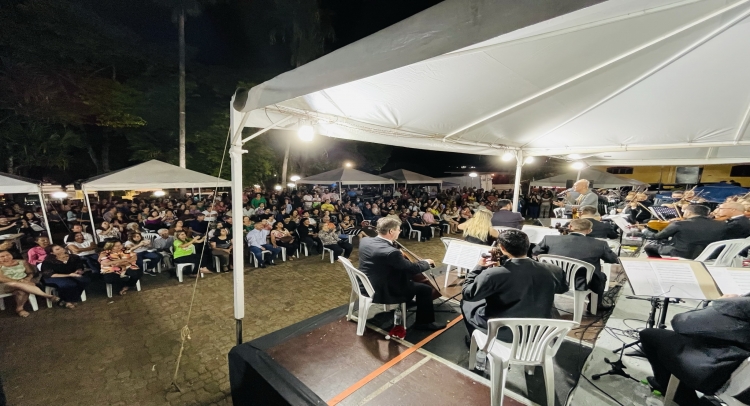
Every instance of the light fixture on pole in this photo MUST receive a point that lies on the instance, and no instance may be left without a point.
(507, 156)
(159, 193)
(348, 164)
(294, 178)
(305, 133)
(578, 165)
(277, 187)
(473, 174)
(528, 160)
(291, 185)
(59, 195)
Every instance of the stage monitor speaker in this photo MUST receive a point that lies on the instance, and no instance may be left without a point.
(257, 380)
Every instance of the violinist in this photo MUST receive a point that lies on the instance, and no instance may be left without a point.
(733, 213)
(637, 210)
(390, 273)
(687, 238)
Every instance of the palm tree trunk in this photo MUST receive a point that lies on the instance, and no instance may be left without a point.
(181, 29)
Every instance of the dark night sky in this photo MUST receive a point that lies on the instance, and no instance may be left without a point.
(236, 34)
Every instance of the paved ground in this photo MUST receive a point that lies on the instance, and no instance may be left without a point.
(122, 351)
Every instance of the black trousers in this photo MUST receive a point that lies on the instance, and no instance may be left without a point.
(662, 348)
(425, 230)
(313, 242)
(598, 280)
(118, 283)
(342, 247)
(425, 310)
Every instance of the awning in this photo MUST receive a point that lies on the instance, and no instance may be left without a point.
(17, 184)
(153, 175)
(345, 176)
(409, 177)
(598, 179)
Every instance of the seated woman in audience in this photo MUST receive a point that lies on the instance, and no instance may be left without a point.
(17, 278)
(120, 227)
(295, 217)
(418, 224)
(168, 219)
(221, 247)
(37, 254)
(449, 215)
(429, 219)
(153, 222)
(329, 236)
(185, 252)
(120, 218)
(31, 225)
(478, 229)
(65, 272)
(179, 226)
(247, 225)
(464, 215)
(107, 232)
(282, 237)
(85, 249)
(141, 247)
(348, 227)
(119, 267)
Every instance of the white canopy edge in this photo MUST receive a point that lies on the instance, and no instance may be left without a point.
(152, 175)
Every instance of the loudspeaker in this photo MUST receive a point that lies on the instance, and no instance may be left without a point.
(257, 380)
(569, 183)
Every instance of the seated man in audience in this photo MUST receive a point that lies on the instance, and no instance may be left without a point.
(199, 226)
(521, 287)
(577, 246)
(505, 217)
(706, 346)
(257, 240)
(599, 229)
(686, 238)
(738, 226)
(163, 242)
(86, 249)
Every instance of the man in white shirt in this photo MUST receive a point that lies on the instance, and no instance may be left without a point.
(77, 228)
(210, 214)
(257, 241)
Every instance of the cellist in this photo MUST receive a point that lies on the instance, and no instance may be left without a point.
(391, 273)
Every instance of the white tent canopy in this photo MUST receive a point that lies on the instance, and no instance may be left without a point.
(17, 184)
(620, 75)
(345, 176)
(409, 177)
(152, 175)
(598, 179)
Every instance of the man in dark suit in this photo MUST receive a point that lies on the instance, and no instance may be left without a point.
(704, 349)
(686, 238)
(738, 226)
(505, 217)
(521, 287)
(391, 274)
(599, 229)
(577, 246)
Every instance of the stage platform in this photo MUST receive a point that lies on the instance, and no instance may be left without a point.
(325, 354)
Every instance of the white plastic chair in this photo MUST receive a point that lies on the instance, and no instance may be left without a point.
(137, 287)
(728, 255)
(180, 271)
(535, 343)
(330, 253)
(263, 255)
(356, 277)
(502, 229)
(217, 264)
(738, 382)
(32, 301)
(413, 231)
(149, 236)
(51, 290)
(570, 266)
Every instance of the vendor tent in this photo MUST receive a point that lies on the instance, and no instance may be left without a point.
(599, 180)
(409, 177)
(152, 175)
(345, 176)
(17, 184)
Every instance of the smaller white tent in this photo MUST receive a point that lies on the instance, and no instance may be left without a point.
(152, 175)
(345, 176)
(410, 178)
(479, 182)
(17, 184)
(598, 179)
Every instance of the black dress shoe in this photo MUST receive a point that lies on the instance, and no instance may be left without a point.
(434, 326)
(271, 263)
(655, 385)
(599, 309)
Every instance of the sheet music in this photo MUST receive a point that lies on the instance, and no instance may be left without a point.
(620, 221)
(731, 280)
(663, 278)
(537, 233)
(464, 255)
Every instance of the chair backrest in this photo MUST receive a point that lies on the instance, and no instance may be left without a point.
(150, 236)
(738, 383)
(569, 266)
(532, 338)
(501, 229)
(357, 277)
(729, 251)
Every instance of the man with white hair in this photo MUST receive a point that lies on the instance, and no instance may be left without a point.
(586, 196)
(163, 242)
(738, 226)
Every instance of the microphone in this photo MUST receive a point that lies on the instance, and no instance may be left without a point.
(561, 194)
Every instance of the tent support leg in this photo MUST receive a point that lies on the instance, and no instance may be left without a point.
(517, 180)
(238, 245)
(91, 215)
(44, 213)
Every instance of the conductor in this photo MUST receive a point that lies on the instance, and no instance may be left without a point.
(390, 273)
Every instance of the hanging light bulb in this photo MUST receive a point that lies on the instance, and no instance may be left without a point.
(529, 160)
(473, 174)
(59, 195)
(507, 156)
(278, 187)
(291, 185)
(159, 193)
(578, 165)
(294, 178)
(305, 133)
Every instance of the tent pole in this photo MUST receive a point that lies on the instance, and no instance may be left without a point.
(578, 177)
(517, 180)
(91, 213)
(238, 243)
(341, 186)
(44, 213)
